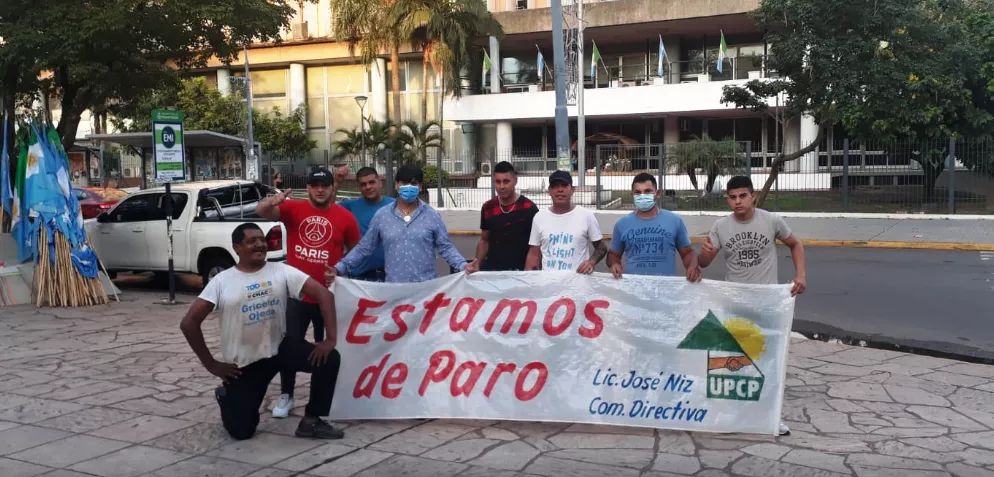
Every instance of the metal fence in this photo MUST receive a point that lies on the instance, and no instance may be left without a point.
(940, 176)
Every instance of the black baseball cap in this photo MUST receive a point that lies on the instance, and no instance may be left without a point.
(409, 173)
(320, 175)
(560, 176)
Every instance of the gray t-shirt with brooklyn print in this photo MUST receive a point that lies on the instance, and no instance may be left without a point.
(750, 247)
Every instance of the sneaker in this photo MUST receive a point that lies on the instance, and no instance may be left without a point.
(318, 429)
(784, 430)
(283, 407)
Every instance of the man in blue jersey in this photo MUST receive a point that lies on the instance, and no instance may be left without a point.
(364, 208)
(650, 238)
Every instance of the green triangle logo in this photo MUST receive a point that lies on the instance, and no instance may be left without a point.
(710, 335)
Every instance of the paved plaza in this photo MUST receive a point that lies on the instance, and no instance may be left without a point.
(115, 391)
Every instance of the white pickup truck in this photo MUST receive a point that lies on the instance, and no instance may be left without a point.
(131, 236)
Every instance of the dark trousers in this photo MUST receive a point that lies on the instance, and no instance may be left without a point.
(298, 316)
(374, 275)
(243, 396)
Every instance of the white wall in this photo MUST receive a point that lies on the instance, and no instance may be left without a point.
(805, 182)
(650, 99)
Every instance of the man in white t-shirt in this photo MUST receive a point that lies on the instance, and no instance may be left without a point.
(251, 298)
(562, 235)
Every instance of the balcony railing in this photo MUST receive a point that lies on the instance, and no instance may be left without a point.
(620, 76)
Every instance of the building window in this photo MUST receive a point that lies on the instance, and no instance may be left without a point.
(522, 4)
(269, 89)
(331, 106)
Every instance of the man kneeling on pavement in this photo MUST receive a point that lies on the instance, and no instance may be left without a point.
(251, 298)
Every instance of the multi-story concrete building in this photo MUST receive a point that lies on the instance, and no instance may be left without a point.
(509, 113)
(626, 95)
(512, 111)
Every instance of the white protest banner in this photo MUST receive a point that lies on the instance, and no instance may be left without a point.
(559, 346)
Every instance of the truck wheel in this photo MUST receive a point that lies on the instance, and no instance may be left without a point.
(213, 265)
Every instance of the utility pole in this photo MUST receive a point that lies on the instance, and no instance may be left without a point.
(252, 166)
(559, 67)
(581, 122)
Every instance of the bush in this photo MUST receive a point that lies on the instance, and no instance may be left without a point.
(431, 176)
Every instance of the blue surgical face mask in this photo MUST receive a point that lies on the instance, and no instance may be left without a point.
(645, 202)
(409, 193)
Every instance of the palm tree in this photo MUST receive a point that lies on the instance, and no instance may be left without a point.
(422, 136)
(349, 145)
(444, 31)
(364, 25)
(714, 157)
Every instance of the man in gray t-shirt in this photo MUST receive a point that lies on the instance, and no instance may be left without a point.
(750, 246)
(749, 239)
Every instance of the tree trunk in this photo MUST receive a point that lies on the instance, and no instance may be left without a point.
(784, 158)
(424, 105)
(424, 91)
(395, 81)
(932, 171)
(441, 130)
(71, 108)
(692, 174)
(9, 99)
(69, 124)
(712, 177)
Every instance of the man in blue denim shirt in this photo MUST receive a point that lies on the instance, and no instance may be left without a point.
(410, 231)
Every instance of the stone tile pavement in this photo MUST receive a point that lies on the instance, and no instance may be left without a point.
(114, 391)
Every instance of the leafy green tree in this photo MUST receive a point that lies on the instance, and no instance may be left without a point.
(283, 134)
(888, 69)
(364, 26)
(204, 106)
(422, 136)
(100, 51)
(207, 109)
(444, 31)
(381, 139)
(349, 145)
(711, 156)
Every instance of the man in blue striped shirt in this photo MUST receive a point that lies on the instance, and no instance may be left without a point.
(410, 232)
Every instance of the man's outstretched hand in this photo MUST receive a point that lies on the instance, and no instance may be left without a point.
(282, 196)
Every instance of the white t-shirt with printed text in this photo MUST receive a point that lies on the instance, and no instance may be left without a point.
(564, 239)
(252, 307)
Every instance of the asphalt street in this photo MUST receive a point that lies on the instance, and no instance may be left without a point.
(920, 300)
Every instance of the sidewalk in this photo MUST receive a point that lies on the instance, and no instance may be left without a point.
(115, 391)
(825, 231)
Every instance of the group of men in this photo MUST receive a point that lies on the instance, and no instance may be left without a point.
(265, 308)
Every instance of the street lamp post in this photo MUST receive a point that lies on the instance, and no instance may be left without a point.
(361, 101)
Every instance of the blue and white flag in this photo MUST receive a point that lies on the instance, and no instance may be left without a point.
(540, 62)
(662, 58)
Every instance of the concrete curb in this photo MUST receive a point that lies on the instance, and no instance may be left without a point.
(970, 247)
(801, 215)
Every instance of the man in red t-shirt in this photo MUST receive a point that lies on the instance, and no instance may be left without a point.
(318, 231)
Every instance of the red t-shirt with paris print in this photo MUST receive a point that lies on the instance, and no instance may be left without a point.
(317, 237)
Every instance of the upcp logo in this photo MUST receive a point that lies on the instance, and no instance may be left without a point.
(315, 231)
(734, 347)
